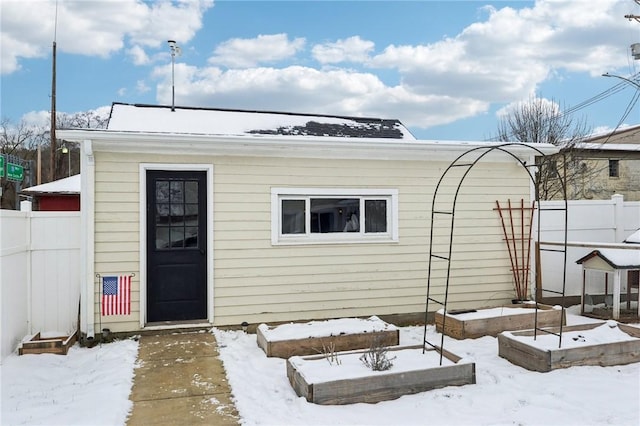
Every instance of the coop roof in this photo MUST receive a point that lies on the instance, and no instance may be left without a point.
(614, 258)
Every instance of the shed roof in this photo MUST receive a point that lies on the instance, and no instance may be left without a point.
(615, 258)
(216, 121)
(69, 185)
(198, 131)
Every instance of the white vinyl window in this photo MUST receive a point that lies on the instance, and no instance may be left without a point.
(317, 215)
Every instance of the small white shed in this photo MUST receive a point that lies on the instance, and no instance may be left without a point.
(217, 217)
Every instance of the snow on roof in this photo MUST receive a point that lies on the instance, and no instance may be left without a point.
(161, 119)
(69, 185)
(633, 238)
(616, 258)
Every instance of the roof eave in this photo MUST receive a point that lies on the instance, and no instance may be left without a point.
(285, 146)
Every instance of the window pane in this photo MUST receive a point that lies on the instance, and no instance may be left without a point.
(177, 213)
(177, 237)
(177, 191)
(162, 191)
(191, 192)
(293, 217)
(162, 214)
(191, 236)
(375, 214)
(614, 167)
(162, 238)
(191, 211)
(335, 215)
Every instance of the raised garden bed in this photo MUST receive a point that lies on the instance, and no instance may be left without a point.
(602, 343)
(47, 345)
(471, 324)
(314, 337)
(413, 371)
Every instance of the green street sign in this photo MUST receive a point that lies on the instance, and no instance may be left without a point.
(15, 172)
(1, 165)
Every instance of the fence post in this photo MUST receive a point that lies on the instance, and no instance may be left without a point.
(618, 217)
(26, 208)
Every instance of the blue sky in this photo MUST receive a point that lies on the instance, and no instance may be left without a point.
(446, 69)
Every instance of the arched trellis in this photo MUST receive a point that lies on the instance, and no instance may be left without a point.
(468, 161)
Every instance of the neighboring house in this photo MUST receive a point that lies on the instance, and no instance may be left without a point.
(612, 164)
(59, 195)
(229, 216)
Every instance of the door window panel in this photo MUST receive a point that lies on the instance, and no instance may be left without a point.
(176, 214)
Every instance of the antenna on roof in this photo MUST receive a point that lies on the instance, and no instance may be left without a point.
(175, 50)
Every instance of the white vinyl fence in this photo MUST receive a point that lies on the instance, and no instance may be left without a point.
(589, 221)
(40, 261)
(39, 274)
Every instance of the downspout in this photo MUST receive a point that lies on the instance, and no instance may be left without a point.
(87, 257)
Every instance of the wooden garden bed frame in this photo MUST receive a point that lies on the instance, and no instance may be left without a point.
(49, 345)
(459, 328)
(378, 387)
(544, 360)
(338, 341)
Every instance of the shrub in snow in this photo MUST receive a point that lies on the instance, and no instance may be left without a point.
(376, 357)
(330, 352)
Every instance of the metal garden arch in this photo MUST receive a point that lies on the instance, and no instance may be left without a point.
(466, 162)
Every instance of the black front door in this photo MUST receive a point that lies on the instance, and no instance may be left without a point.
(176, 246)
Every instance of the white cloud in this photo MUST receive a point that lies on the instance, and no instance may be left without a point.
(97, 28)
(506, 56)
(543, 103)
(141, 86)
(305, 89)
(245, 53)
(40, 119)
(352, 49)
(500, 59)
(138, 55)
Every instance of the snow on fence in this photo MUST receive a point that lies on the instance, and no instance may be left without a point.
(590, 221)
(39, 274)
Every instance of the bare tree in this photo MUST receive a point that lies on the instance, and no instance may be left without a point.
(21, 142)
(541, 120)
(17, 144)
(81, 120)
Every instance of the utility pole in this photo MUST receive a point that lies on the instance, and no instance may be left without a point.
(52, 171)
(52, 166)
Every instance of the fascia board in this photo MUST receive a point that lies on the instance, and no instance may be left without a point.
(300, 147)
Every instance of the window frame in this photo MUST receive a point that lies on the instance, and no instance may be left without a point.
(614, 166)
(279, 194)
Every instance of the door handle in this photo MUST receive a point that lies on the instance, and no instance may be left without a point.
(202, 252)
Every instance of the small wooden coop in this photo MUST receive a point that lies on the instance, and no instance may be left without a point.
(612, 262)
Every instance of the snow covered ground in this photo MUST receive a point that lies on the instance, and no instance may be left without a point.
(91, 387)
(504, 394)
(85, 387)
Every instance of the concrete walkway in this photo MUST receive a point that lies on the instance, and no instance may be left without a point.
(179, 380)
